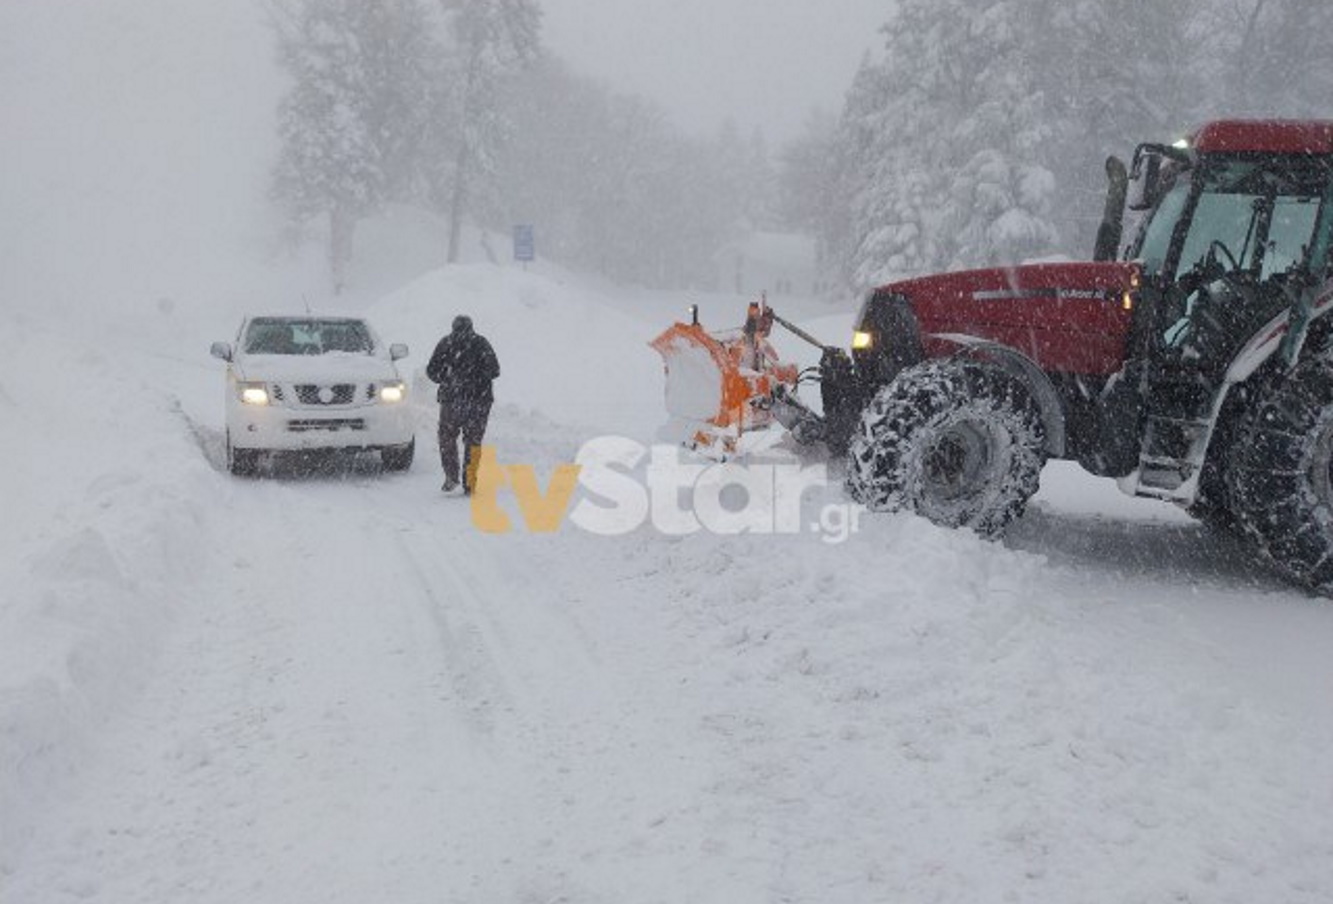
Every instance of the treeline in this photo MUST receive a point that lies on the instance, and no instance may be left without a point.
(619, 190)
(977, 136)
(455, 106)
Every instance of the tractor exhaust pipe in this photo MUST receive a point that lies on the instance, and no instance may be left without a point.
(1112, 228)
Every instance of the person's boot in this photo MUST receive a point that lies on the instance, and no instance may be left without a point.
(450, 484)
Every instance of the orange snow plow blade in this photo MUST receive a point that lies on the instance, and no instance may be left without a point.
(720, 385)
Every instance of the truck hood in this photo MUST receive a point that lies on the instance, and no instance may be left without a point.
(333, 367)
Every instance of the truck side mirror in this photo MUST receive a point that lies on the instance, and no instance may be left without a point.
(397, 351)
(220, 350)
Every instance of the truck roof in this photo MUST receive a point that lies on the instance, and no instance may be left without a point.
(1275, 136)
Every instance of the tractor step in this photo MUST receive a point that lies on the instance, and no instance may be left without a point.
(1172, 453)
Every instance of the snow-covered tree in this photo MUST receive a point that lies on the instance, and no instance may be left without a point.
(491, 40)
(940, 158)
(556, 118)
(978, 135)
(805, 175)
(1127, 71)
(1271, 56)
(613, 185)
(759, 196)
(353, 121)
(863, 222)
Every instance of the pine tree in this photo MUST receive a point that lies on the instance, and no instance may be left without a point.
(940, 146)
(543, 175)
(865, 224)
(760, 195)
(999, 188)
(805, 176)
(352, 123)
(1127, 72)
(491, 40)
(979, 135)
(1273, 55)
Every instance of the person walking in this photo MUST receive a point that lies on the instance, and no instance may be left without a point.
(464, 364)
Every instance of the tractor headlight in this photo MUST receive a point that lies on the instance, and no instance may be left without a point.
(393, 392)
(862, 340)
(252, 393)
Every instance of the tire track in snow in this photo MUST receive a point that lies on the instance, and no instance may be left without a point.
(448, 595)
(210, 440)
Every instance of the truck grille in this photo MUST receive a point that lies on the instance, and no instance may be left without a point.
(336, 394)
(332, 425)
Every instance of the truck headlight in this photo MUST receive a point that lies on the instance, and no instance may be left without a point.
(862, 340)
(393, 392)
(252, 393)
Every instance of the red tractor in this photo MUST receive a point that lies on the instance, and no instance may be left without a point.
(1194, 364)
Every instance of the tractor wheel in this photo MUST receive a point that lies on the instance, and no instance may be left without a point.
(1280, 474)
(958, 442)
(1212, 506)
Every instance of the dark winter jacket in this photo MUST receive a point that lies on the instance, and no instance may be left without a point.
(464, 364)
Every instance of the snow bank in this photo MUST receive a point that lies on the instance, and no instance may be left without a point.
(103, 489)
(565, 349)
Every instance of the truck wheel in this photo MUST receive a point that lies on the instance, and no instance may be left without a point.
(958, 442)
(242, 462)
(398, 458)
(1281, 473)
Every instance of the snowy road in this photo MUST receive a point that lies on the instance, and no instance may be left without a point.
(358, 703)
(333, 688)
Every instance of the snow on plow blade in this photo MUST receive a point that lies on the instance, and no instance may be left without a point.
(720, 385)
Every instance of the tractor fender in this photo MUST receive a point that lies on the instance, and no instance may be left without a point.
(1282, 338)
(1025, 369)
(1274, 337)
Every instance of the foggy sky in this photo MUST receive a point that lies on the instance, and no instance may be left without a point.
(762, 62)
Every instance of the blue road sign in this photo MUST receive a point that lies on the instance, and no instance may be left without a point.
(525, 245)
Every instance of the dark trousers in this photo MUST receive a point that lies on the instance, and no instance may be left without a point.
(470, 424)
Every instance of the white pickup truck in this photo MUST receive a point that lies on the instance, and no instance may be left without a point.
(307, 383)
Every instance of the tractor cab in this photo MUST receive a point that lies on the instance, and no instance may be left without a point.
(1231, 240)
(1234, 240)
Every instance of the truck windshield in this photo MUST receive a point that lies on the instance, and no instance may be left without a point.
(305, 336)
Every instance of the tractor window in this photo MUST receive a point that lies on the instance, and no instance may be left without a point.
(1323, 240)
(1224, 218)
(1256, 214)
(1156, 239)
(1289, 234)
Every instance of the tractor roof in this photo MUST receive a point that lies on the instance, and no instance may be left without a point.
(1275, 136)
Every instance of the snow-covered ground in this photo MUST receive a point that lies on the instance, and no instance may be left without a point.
(334, 688)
